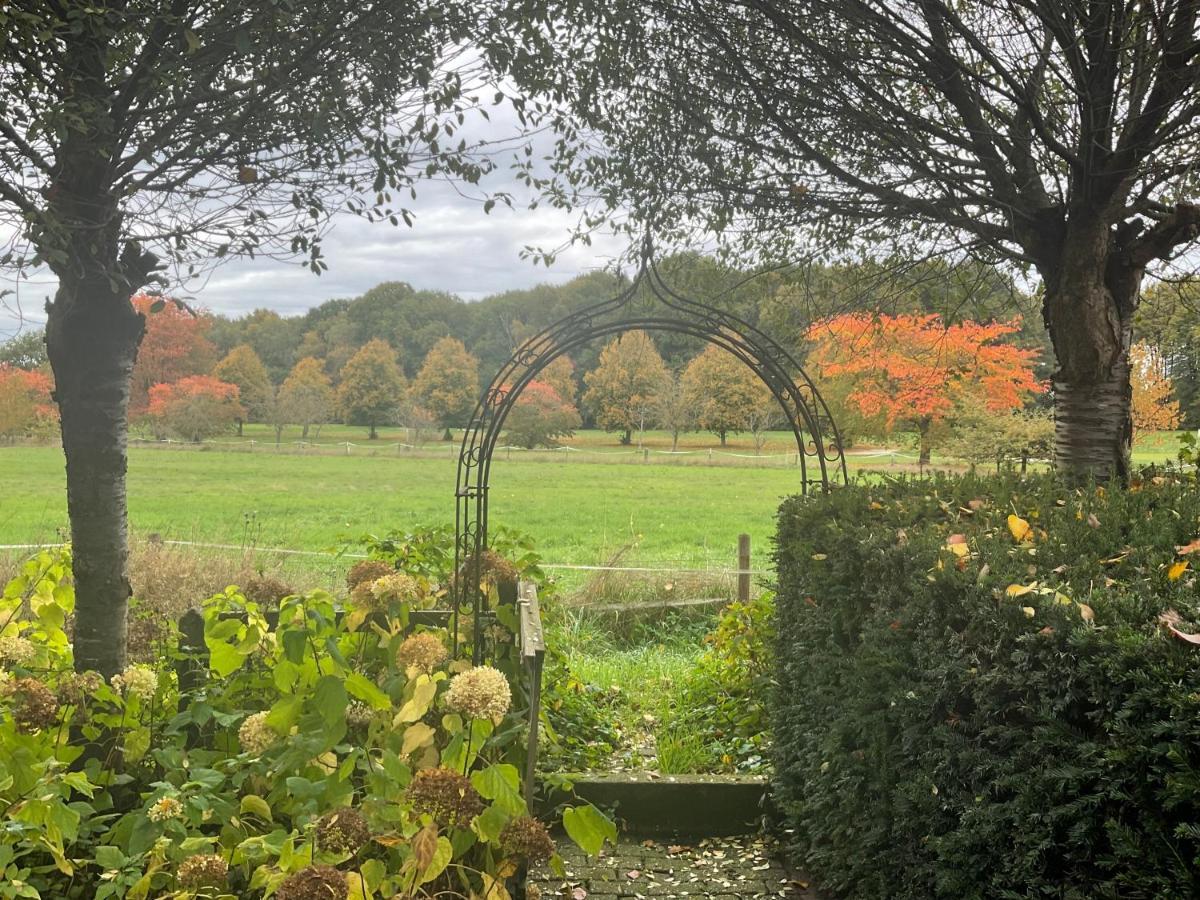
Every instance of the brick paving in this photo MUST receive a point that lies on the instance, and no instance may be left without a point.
(722, 868)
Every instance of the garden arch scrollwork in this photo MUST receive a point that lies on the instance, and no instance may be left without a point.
(648, 304)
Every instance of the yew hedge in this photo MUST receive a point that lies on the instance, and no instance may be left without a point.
(979, 693)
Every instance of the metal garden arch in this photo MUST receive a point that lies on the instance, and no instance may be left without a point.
(648, 304)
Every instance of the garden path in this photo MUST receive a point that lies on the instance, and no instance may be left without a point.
(738, 868)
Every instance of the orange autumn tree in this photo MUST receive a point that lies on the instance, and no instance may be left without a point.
(1154, 405)
(195, 407)
(25, 403)
(174, 346)
(914, 369)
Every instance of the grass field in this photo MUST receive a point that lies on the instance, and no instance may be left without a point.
(578, 510)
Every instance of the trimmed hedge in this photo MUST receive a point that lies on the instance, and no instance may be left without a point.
(960, 726)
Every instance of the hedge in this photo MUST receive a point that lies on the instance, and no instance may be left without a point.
(976, 696)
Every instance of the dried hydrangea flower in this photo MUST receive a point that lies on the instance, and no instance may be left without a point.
(359, 714)
(204, 870)
(314, 883)
(367, 571)
(164, 808)
(343, 831)
(424, 651)
(77, 688)
(16, 650)
(255, 735)
(33, 705)
(395, 587)
(480, 693)
(444, 794)
(139, 681)
(527, 838)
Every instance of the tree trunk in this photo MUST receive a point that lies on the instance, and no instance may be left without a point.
(926, 448)
(1089, 309)
(1093, 434)
(627, 437)
(239, 421)
(92, 338)
(721, 434)
(373, 434)
(304, 432)
(674, 441)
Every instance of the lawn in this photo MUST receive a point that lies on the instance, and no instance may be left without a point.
(578, 512)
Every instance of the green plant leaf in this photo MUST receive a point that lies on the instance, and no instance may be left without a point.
(589, 828)
(365, 690)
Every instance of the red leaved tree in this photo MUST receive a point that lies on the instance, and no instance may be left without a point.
(196, 407)
(539, 416)
(915, 369)
(174, 346)
(25, 404)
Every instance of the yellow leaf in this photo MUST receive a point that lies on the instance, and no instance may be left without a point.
(1029, 611)
(415, 737)
(820, 556)
(1020, 529)
(1176, 571)
(358, 887)
(1086, 613)
(418, 704)
(1019, 590)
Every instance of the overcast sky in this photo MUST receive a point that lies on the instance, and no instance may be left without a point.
(452, 246)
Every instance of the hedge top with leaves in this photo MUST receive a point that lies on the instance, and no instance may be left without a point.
(978, 695)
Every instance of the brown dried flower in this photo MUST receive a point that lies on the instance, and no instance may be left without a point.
(314, 883)
(367, 571)
(204, 870)
(77, 688)
(447, 796)
(480, 693)
(33, 704)
(527, 838)
(265, 590)
(343, 831)
(424, 651)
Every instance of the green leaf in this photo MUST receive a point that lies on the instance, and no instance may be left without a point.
(501, 784)
(256, 805)
(109, 857)
(365, 690)
(589, 828)
(224, 659)
(489, 823)
(284, 713)
(330, 700)
(441, 858)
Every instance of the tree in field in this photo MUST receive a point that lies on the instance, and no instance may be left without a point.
(1154, 405)
(242, 367)
(25, 404)
(448, 383)
(560, 375)
(674, 409)
(140, 141)
(980, 436)
(372, 391)
(1056, 138)
(722, 390)
(175, 345)
(26, 350)
(196, 407)
(539, 416)
(305, 398)
(622, 388)
(915, 370)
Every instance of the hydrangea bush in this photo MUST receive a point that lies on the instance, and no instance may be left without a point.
(318, 748)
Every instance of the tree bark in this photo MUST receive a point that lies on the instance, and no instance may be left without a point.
(1089, 309)
(926, 448)
(373, 434)
(92, 339)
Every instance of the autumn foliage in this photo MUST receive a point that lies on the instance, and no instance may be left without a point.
(1154, 405)
(25, 403)
(175, 346)
(915, 369)
(539, 416)
(196, 407)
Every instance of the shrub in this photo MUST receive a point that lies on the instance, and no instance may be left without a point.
(976, 695)
(280, 764)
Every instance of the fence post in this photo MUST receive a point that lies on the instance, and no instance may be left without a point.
(743, 579)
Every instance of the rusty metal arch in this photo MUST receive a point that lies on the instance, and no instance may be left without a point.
(648, 304)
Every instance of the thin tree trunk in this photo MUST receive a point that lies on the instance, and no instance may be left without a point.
(373, 433)
(926, 448)
(239, 421)
(721, 433)
(674, 441)
(92, 343)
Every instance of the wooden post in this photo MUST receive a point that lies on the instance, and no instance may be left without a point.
(743, 579)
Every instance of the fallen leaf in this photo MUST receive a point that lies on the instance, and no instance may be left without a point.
(1191, 547)
(1020, 590)
(1086, 613)
(1029, 611)
(578, 894)
(1176, 571)
(1019, 528)
(1093, 521)
(633, 874)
